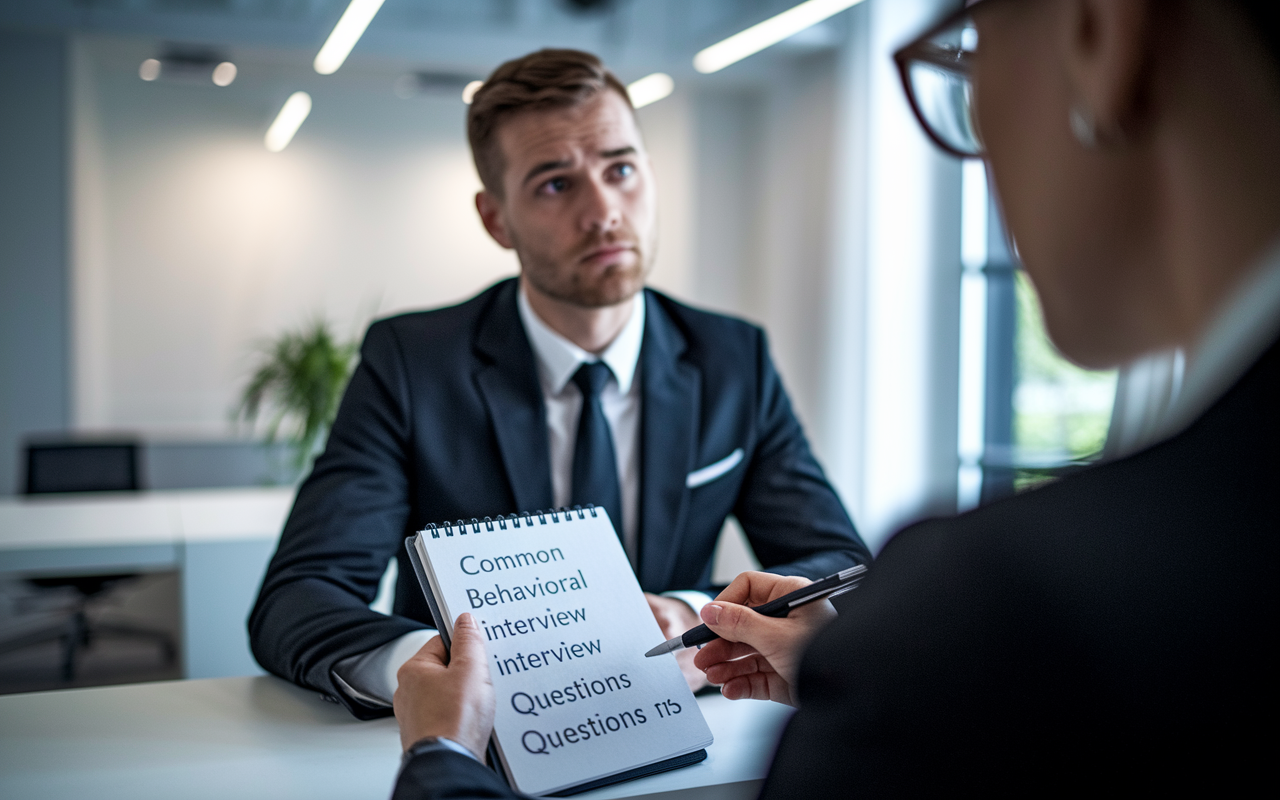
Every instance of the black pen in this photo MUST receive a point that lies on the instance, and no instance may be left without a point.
(842, 581)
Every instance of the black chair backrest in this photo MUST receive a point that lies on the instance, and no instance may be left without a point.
(82, 467)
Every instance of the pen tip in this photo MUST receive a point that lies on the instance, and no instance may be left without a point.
(664, 648)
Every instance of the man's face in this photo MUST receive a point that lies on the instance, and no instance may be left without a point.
(578, 203)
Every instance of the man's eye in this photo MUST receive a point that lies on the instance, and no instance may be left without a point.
(624, 170)
(555, 186)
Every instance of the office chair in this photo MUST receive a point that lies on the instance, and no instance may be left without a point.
(83, 467)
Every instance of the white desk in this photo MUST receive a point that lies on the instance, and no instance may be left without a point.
(219, 541)
(262, 737)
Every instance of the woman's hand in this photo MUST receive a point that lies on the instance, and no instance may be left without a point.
(454, 699)
(757, 657)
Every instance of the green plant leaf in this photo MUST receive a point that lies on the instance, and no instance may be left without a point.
(300, 376)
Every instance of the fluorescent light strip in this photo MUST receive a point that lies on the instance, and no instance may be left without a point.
(767, 33)
(345, 34)
(650, 89)
(290, 118)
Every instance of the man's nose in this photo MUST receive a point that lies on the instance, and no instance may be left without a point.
(601, 210)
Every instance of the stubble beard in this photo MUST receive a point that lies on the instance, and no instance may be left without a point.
(569, 283)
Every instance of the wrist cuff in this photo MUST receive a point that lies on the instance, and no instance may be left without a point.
(692, 598)
(429, 743)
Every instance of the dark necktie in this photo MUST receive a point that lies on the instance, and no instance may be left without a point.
(595, 465)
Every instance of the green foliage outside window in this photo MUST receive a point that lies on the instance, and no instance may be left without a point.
(1060, 411)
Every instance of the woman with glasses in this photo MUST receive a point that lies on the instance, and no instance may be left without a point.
(1116, 628)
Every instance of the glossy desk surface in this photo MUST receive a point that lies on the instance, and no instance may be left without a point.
(262, 737)
(141, 518)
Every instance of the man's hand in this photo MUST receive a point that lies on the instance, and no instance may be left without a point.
(674, 618)
(757, 657)
(453, 699)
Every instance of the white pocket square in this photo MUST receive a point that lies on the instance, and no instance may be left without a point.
(709, 473)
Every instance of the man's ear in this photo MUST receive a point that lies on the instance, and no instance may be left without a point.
(490, 209)
(1108, 51)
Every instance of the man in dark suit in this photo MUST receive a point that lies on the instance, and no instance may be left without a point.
(571, 385)
(1115, 630)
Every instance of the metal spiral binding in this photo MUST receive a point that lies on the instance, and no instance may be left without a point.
(514, 519)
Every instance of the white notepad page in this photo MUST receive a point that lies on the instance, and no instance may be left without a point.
(566, 627)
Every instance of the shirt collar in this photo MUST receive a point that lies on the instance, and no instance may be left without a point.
(558, 358)
(1244, 328)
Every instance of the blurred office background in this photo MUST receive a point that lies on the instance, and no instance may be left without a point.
(150, 241)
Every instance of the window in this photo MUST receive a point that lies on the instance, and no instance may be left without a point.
(1026, 413)
(1060, 412)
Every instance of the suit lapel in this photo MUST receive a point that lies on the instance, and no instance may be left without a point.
(672, 391)
(508, 381)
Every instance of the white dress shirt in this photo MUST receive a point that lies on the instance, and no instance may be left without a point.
(371, 677)
(1246, 325)
(558, 359)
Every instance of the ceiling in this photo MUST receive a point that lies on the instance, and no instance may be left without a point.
(633, 36)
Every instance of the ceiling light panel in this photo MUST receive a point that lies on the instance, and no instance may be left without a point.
(767, 33)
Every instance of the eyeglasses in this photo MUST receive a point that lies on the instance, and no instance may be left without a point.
(936, 70)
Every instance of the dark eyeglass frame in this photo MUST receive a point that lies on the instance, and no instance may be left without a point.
(919, 50)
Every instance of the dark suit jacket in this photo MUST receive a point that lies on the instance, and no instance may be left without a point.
(1115, 629)
(444, 420)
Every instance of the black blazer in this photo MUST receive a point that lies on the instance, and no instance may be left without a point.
(1115, 629)
(444, 420)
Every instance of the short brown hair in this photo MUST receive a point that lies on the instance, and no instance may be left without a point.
(541, 80)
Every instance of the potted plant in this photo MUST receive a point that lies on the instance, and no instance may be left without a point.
(300, 377)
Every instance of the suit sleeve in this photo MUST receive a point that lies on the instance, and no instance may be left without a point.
(347, 522)
(791, 515)
(443, 775)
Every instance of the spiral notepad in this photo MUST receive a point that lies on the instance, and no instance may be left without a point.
(566, 627)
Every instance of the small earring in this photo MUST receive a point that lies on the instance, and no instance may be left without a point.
(1084, 127)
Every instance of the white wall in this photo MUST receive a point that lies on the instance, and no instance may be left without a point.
(668, 128)
(193, 242)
